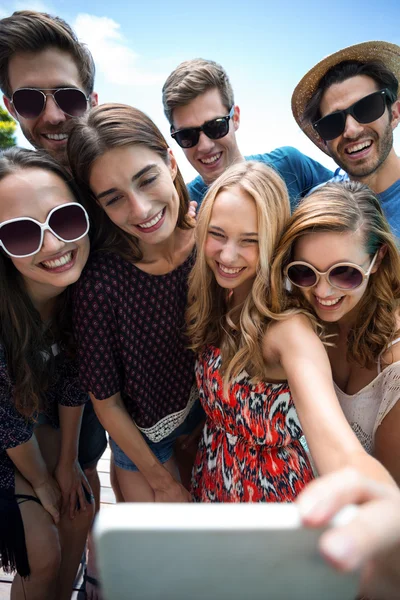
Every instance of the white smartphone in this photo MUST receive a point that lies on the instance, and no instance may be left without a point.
(214, 552)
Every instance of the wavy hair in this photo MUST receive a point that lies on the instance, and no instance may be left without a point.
(342, 207)
(27, 344)
(209, 317)
(103, 128)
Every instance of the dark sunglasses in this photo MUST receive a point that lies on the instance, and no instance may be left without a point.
(214, 129)
(30, 103)
(344, 276)
(365, 110)
(23, 236)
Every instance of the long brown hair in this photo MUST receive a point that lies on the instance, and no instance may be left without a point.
(341, 207)
(111, 126)
(25, 340)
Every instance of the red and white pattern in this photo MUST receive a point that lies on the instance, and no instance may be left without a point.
(250, 450)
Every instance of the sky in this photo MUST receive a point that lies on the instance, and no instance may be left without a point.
(265, 47)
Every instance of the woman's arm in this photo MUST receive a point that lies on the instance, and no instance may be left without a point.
(387, 442)
(371, 541)
(68, 473)
(331, 440)
(29, 461)
(115, 419)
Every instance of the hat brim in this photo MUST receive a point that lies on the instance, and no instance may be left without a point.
(385, 52)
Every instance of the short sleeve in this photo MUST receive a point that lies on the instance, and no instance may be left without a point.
(390, 392)
(14, 428)
(96, 334)
(310, 172)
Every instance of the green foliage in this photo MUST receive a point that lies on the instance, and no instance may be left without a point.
(7, 130)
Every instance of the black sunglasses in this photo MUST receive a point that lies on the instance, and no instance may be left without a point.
(365, 110)
(30, 102)
(214, 129)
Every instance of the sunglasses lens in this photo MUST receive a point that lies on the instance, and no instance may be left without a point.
(187, 138)
(345, 278)
(72, 102)
(69, 222)
(370, 108)
(28, 103)
(216, 129)
(331, 126)
(302, 276)
(21, 237)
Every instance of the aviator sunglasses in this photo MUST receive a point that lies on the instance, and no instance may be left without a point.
(214, 129)
(343, 276)
(30, 103)
(23, 236)
(366, 110)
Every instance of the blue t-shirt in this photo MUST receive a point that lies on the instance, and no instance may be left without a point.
(390, 202)
(300, 173)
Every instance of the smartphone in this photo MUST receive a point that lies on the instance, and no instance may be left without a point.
(215, 552)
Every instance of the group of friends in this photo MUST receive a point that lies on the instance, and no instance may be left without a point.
(236, 338)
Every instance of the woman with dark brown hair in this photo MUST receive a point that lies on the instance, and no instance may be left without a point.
(45, 499)
(129, 304)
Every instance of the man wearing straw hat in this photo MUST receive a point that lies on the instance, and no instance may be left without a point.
(348, 106)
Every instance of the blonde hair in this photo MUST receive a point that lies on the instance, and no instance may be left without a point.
(191, 79)
(209, 319)
(342, 207)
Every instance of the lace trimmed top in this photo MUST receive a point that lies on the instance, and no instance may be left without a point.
(366, 409)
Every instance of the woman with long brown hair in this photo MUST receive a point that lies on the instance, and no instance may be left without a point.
(344, 265)
(45, 500)
(130, 301)
(263, 373)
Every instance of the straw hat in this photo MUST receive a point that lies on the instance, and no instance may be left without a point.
(388, 54)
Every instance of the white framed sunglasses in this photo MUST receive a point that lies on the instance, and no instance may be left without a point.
(23, 236)
(343, 276)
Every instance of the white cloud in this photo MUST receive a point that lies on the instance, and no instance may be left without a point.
(113, 57)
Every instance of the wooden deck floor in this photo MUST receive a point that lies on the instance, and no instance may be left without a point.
(106, 498)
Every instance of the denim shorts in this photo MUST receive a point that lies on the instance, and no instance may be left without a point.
(163, 450)
(92, 438)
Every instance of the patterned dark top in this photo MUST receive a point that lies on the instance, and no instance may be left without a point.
(14, 428)
(129, 327)
(250, 450)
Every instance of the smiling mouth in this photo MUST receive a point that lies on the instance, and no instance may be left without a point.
(211, 160)
(62, 261)
(55, 137)
(358, 147)
(328, 303)
(153, 221)
(230, 271)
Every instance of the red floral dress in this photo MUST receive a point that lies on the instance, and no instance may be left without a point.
(250, 450)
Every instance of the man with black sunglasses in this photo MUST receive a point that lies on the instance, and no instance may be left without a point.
(348, 106)
(199, 105)
(46, 77)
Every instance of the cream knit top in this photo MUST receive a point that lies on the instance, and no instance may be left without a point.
(366, 409)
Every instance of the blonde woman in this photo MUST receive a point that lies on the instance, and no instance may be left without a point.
(344, 265)
(260, 374)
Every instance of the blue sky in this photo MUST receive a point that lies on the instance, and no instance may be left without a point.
(266, 47)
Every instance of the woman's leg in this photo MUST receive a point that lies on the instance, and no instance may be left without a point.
(44, 550)
(72, 532)
(134, 486)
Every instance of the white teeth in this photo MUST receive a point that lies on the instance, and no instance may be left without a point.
(58, 262)
(56, 136)
(212, 159)
(328, 302)
(151, 223)
(230, 271)
(359, 147)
